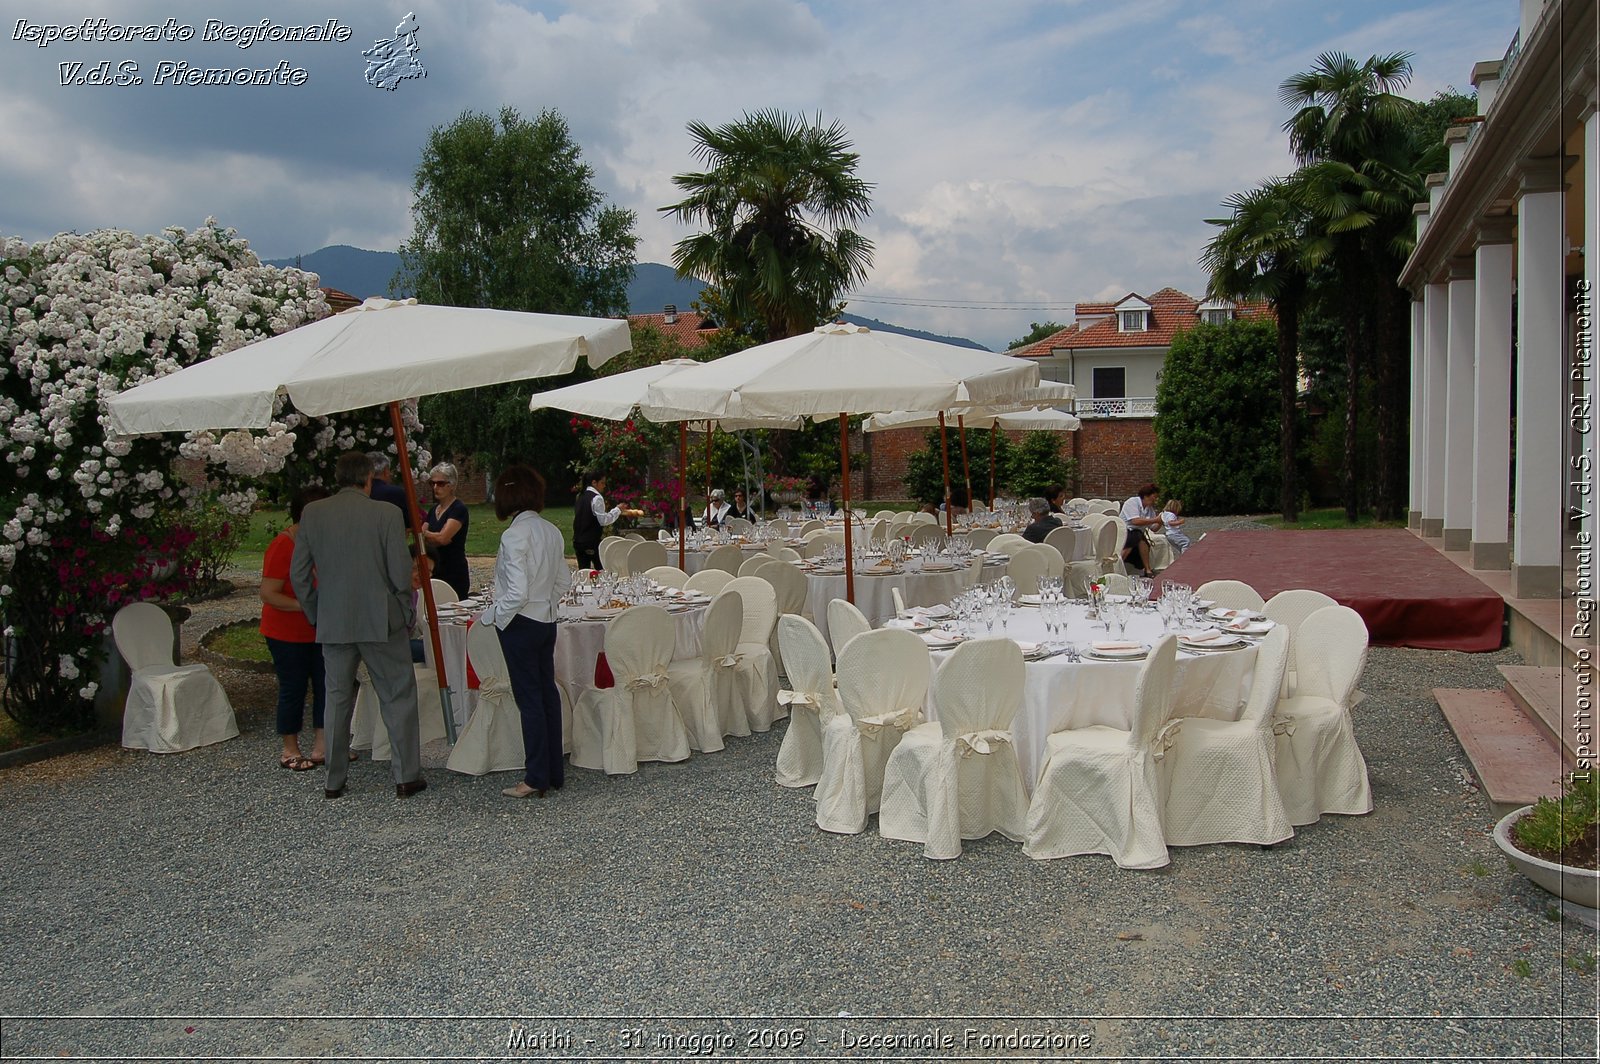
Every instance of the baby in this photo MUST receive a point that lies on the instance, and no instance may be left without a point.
(1172, 525)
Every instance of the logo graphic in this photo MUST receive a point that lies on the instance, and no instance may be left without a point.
(392, 61)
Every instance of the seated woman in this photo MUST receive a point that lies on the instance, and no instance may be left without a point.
(1140, 513)
(741, 507)
(1044, 522)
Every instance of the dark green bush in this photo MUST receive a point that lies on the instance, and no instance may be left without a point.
(1036, 465)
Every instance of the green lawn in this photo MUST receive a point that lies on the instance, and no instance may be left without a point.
(1332, 517)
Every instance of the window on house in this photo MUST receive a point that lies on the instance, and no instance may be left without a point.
(1132, 320)
(1110, 382)
(1217, 317)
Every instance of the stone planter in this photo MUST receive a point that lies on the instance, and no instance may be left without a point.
(1578, 885)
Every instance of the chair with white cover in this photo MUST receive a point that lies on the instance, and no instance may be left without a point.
(642, 557)
(1077, 577)
(1290, 608)
(613, 553)
(845, 622)
(366, 721)
(492, 739)
(957, 777)
(784, 554)
(921, 534)
(1007, 543)
(708, 581)
(1116, 584)
(667, 575)
(705, 688)
(980, 538)
(810, 698)
(1231, 595)
(883, 683)
(812, 525)
(1108, 541)
(791, 588)
(884, 515)
(756, 673)
(737, 526)
(749, 566)
(615, 728)
(900, 530)
(170, 708)
(923, 517)
(1320, 767)
(815, 547)
(442, 592)
(727, 557)
(1218, 775)
(1077, 500)
(904, 516)
(1161, 550)
(1065, 542)
(974, 574)
(1097, 790)
(1031, 563)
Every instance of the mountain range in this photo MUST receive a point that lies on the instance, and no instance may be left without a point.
(369, 273)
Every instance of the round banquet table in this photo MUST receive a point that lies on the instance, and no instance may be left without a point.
(918, 586)
(694, 560)
(1061, 694)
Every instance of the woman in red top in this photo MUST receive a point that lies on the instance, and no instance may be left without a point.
(292, 642)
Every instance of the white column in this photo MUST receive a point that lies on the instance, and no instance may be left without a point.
(1491, 444)
(1436, 308)
(1458, 431)
(1541, 383)
(1418, 428)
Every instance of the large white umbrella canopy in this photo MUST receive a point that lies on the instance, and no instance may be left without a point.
(619, 396)
(1036, 419)
(381, 352)
(839, 369)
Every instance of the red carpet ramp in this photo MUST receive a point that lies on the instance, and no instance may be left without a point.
(1408, 593)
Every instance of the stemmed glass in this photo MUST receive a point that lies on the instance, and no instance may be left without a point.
(991, 606)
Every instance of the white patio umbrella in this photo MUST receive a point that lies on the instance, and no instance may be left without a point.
(380, 353)
(1030, 419)
(618, 397)
(840, 370)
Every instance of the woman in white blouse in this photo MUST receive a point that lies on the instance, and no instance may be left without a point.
(530, 576)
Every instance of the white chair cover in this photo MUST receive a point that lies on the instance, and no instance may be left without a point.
(815, 547)
(705, 688)
(1320, 767)
(883, 515)
(756, 673)
(755, 561)
(1116, 584)
(738, 526)
(1290, 609)
(492, 739)
(813, 525)
(791, 589)
(784, 554)
(1078, 576)
(442, 592)
(1032, 562)
(810, 698)
(1231, 595)
(667, 575)
(921, 534)
(981, 537)
(709, 581)
(727, 557)
(613, 552)
(642, 557)
(845, 622)
(899, 529)
(957, 778)
(170, 708)
(922, 517)
(366, 723)
(1218, 775)
(1065, 542)
(1098, 790)
(1161, 552)
(636, 720)
(1108, 541)
(1007, 543)
(883, 684)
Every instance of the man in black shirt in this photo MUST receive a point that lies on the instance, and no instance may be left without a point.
(1044, 522)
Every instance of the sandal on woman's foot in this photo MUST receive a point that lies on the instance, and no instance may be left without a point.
(522, 790)
(296, 763)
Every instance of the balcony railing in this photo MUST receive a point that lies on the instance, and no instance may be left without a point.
(1134, 407)
(1513, 50)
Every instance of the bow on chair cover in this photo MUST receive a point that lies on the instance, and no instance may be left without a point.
(987, 741)
(492, 739)
(901, 719)
(1164, 738)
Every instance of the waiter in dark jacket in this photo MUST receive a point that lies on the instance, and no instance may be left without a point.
(590, 518)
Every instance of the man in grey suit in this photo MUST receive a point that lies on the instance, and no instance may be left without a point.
(354, 549)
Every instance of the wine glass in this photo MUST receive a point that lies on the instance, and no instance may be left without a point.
(991, 606)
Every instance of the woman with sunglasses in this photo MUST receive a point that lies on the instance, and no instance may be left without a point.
(446, 528)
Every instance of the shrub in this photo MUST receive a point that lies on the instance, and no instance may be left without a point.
(218, 533)
(1035, 465)
(924, 479)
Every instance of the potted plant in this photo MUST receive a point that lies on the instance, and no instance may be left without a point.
(1555, 842)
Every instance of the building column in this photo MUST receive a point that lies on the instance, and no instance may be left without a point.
(1491, 444)
(1459, 412)
(1541, 383)
(1418, 427)
(1436, 327)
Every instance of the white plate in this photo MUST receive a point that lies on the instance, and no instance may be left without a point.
(1029, 600)
(933, 613)
(1249, 628)
(1221, 614)
(1118, 655)
(940, 568)
(1230, 641)
(603, 614)
(908, 624)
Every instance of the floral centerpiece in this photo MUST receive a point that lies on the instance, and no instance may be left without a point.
(786, 490)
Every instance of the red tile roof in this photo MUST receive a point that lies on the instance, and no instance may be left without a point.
(686, 330)
(338, 300)
(1170, 312)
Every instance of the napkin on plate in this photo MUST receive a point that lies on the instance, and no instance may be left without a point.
(941, 636)
(1115, 645)
(934, 612)
(1028, 648)
(1200, 635)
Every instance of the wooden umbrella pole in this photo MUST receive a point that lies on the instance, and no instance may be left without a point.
(708, 465)
(966, 466)
(427, 585)
(993, 429)
(944, 445)
(683, 488)
(849, 550)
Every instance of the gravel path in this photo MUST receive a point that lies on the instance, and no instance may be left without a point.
(214, 884)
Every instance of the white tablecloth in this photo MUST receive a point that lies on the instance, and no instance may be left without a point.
(874, 594)
(578, 646)
(1062, 694)
(695, 560)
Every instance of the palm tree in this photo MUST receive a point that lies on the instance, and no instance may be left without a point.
(778, 195)
(1351, 132)
(1262, 253)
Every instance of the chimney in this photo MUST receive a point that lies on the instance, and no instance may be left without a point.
(670, 312)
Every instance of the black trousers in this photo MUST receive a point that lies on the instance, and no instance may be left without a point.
(588, 555)
(530, 650)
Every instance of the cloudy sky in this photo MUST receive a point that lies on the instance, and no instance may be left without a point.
(1026, 154)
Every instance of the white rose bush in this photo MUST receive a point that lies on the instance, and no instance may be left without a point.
(90, 521)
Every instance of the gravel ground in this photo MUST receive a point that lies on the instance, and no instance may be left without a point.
(214, 884)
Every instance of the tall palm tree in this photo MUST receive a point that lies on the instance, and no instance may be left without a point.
(779, 196)
(1263, 252)
(1350, 130)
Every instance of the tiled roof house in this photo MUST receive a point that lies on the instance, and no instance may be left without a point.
(687, 327)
